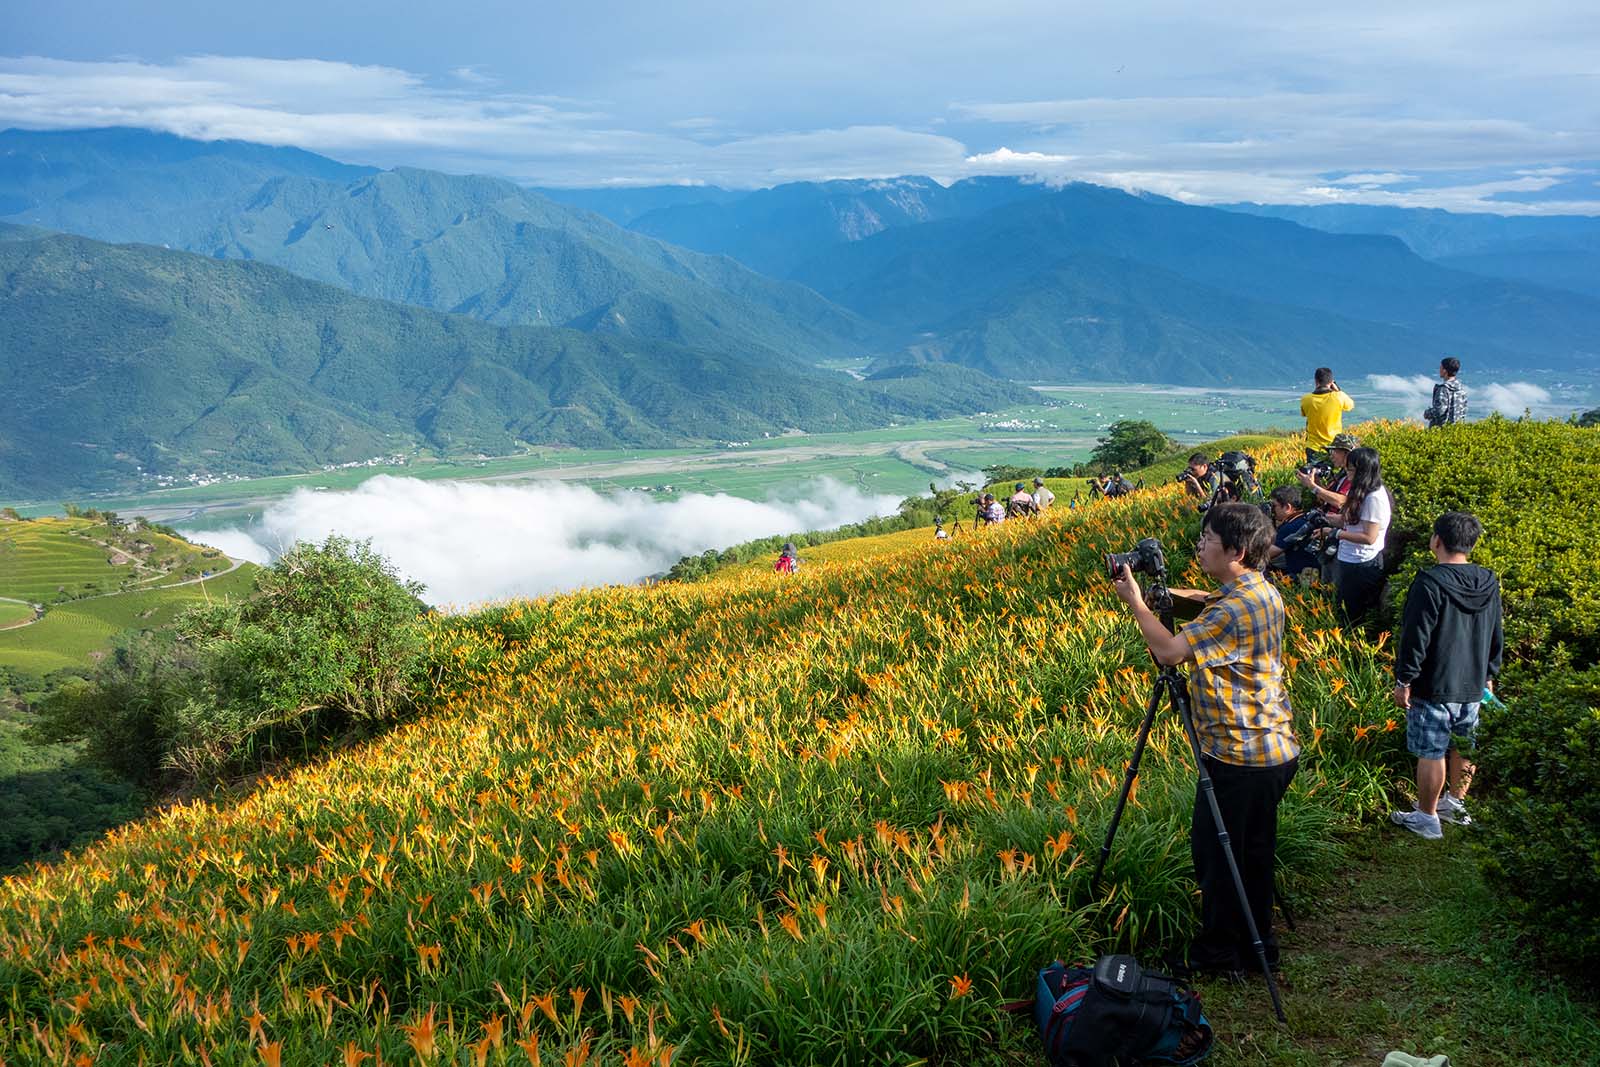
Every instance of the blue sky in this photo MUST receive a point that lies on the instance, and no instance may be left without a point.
(1466, 105)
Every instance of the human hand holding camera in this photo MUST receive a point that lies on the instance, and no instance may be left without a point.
(1127, 589)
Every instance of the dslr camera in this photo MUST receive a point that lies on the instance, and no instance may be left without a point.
(1146, 557)
(1317, 468)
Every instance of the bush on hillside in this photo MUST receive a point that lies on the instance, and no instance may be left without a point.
(331, 638)
(1130, 444)
(1538, 810)
(1533, 486)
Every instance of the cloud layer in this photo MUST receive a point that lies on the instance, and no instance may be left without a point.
(470, 542)
(1508, 398)
(1465, 104)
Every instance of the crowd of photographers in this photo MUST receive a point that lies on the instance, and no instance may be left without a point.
(1332, 522)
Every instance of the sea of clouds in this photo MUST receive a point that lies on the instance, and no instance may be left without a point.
(470, 542)
(1510, 398)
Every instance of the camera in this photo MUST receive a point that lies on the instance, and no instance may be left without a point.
(1317, 468)
(1146, 557)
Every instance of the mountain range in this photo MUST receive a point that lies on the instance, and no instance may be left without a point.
(485, 316)
(129, 359)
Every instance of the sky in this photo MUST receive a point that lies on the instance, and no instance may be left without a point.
(1461, 104)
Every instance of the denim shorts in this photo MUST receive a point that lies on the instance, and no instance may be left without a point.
(1432, 728)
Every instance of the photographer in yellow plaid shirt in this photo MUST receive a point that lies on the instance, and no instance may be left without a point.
(1241, 713)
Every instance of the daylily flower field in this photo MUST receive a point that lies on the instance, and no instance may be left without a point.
(829, 818)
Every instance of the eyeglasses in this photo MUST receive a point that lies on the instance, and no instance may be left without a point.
(1200, 545)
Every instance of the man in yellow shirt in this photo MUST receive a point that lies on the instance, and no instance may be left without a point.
(1324, 409)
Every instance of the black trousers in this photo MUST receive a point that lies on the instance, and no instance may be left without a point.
(1360, 586)
(1248, 798)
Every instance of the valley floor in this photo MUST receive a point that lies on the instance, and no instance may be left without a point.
(1406, 952)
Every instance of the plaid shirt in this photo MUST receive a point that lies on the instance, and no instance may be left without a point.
(1241, 710)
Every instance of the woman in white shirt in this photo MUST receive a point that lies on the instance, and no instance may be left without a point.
(1367, 512)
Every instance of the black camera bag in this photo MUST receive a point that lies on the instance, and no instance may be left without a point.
(1118, 1013)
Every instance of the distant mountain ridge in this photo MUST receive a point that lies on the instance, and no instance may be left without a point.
(121, 358)
(470, 245)
(1559, 251)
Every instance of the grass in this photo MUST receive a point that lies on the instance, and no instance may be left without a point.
(12, 613)
(70, 634)
(1404, 950)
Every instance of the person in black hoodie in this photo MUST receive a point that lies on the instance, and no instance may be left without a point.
(1450, 648)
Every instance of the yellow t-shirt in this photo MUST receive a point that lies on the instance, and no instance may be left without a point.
(1324, 414)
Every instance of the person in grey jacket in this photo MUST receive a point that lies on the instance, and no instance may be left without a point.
(1451, 643)
(1449, 396)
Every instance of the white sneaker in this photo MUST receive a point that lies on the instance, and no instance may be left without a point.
(1452, 810)
(1419, 823)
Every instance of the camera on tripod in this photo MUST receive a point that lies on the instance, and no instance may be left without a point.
(1146, 557)
(1237, 479)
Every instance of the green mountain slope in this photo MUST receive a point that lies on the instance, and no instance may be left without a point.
(138, 185)
(927, 280)
(1560, 251)
(124, 361)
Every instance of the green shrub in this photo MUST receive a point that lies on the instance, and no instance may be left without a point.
(1532, 485)
(1538, 810)
(330, 638)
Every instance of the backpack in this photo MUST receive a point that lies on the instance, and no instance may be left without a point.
(785, 565)
(1118, 1013)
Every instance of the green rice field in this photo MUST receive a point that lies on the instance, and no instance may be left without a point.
(70, 634)
(12, 613)
(55, 559)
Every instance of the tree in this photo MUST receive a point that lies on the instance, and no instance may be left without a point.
(1130, 443)
(1588, 418)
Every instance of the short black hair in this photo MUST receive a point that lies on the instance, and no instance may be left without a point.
(1289, 495)
(1324, 375)
(1450, 365)
(1241, 527)
(1199, 457)
(1458, 531)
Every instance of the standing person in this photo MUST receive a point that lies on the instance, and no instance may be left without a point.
(1449, 396)
(1367, 511)
(1242, 716)
(788, 561)
(1331, 497)
(1451, 642)
(1324, 409)
(1042, 496)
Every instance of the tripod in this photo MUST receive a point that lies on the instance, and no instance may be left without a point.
(1174, 686)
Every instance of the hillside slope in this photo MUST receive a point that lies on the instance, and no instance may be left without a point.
(768, 820)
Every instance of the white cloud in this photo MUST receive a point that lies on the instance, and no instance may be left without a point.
(1418, 387)
(1387, 178)
(469, 542)
(1509, 398)
(1513, 398)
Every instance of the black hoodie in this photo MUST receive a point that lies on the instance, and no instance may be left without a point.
(1450, 641)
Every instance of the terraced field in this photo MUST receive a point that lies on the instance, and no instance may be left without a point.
(70, 634)
(12, 613)
(52, 560)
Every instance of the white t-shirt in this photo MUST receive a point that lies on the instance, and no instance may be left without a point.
(1376, 508)
(1043, 498)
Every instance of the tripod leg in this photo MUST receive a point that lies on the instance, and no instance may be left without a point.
(1284, 906)
(1127, 786)
(1180, 699)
